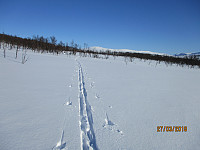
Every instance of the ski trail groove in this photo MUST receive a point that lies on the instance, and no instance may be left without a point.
(87, 135)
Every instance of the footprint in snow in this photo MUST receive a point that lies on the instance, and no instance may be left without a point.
(110, 125)
(108, 122)
(92, 84)
(68, 103)
(60, 145)
(97, 96)
(119, 131)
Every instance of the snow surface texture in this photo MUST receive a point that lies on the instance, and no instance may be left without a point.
(67, 102)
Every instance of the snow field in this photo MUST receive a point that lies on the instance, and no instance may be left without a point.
(68, 102)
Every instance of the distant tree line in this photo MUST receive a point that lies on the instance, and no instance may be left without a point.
(42, 44)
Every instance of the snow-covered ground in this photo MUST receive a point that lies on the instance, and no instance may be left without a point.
(68, 102)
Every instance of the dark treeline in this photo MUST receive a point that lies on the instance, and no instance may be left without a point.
(42, 44)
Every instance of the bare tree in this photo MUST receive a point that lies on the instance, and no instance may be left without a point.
(16, 52)
(85, 46)
(4, 50)
(61, 44)
(72, 43)
(24, 56)
(53, 40)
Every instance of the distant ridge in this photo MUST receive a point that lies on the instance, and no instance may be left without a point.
(188, 54)
(97, 48)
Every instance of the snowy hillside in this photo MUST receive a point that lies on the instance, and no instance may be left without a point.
(96, 48)
(74, 103)
(188, 54)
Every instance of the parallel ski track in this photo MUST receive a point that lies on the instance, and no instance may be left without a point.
(87, 135)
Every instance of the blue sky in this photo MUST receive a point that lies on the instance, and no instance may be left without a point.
(167, 26)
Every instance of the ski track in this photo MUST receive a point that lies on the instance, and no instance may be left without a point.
(87, 135)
